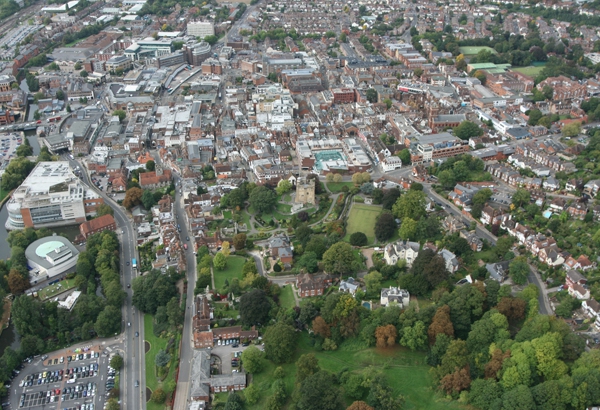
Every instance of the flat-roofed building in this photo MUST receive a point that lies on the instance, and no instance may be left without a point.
(51, 196)
(50, 256)
(118, 63)
(200, 29)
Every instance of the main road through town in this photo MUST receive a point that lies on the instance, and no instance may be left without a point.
(185, 362)
(134, 379)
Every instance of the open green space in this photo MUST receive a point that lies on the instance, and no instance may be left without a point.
(57, 288)
(362, 219)
(406, 372)
(233, 270)
(336, 187)
(473, 50)
(284, 208)
(156, 344)
(529, 70)
(286, 297)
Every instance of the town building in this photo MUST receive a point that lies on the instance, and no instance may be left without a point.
(51, 196)
(200, 29)
(49, 257)
(100, 224)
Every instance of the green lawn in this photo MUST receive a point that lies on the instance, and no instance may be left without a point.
(284, 208)
(362, 219)
(473, 50)
(156, 344)
(233, 270)
(50, 291)
(336, 187)
(286, 297)
(529, 70)
(227, 214)
(406, 372)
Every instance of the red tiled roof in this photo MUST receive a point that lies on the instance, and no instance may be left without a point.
(95, 224)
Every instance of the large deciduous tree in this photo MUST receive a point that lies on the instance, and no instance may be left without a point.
(263, 199)
(386, 335)
(319, 391)
(253, 359)
(133, 197)
(410, 205)
(519, 270)
(254, 307)
(467, 129)
(385, 226)
(340, 259)
(280, 342)
(440, 324)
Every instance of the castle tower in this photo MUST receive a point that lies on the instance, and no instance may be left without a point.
(305, 191)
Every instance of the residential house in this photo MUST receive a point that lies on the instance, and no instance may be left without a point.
(579, 292)
(582, 262)
(491, 216)
(475, 243)
(558, 204)
(401, 250)
(394, 295)
(574, 277)
(280, 248)
(309, 285)
(592, 187)
(591, 307)
(452, 224)
(349, 286)
(451, 260)
(498, 271)
(578, 210)
(551, 184)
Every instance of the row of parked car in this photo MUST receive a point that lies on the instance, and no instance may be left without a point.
(110, 379)
(80, 391)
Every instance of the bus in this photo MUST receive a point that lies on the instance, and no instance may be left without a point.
(133, 263)
(54, 119)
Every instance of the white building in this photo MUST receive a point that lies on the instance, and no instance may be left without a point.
(51, 196)
(394, 252)
(70, 301)
(49, 257)
(394, 295)
(450, 259)
(391, 163)
(200, 29)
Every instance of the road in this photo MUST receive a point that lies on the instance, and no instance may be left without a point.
(134, 367)
(544, 304)
(186, 354)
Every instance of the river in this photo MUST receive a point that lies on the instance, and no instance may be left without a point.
(9, 336)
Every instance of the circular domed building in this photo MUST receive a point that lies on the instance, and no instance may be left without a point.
(50, 256)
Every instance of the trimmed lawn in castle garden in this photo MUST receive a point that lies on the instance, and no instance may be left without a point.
(362, 219)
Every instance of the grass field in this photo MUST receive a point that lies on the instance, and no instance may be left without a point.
(50, 291)
(156, 344)
(529, 70)
(362, 219)
(233, 270)
(336, 187)
(406, 372)
(286, 297)
(473, 50)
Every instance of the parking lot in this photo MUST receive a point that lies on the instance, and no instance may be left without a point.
(74, 380)
(227, 353)
(100, 182)
(9, 144)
